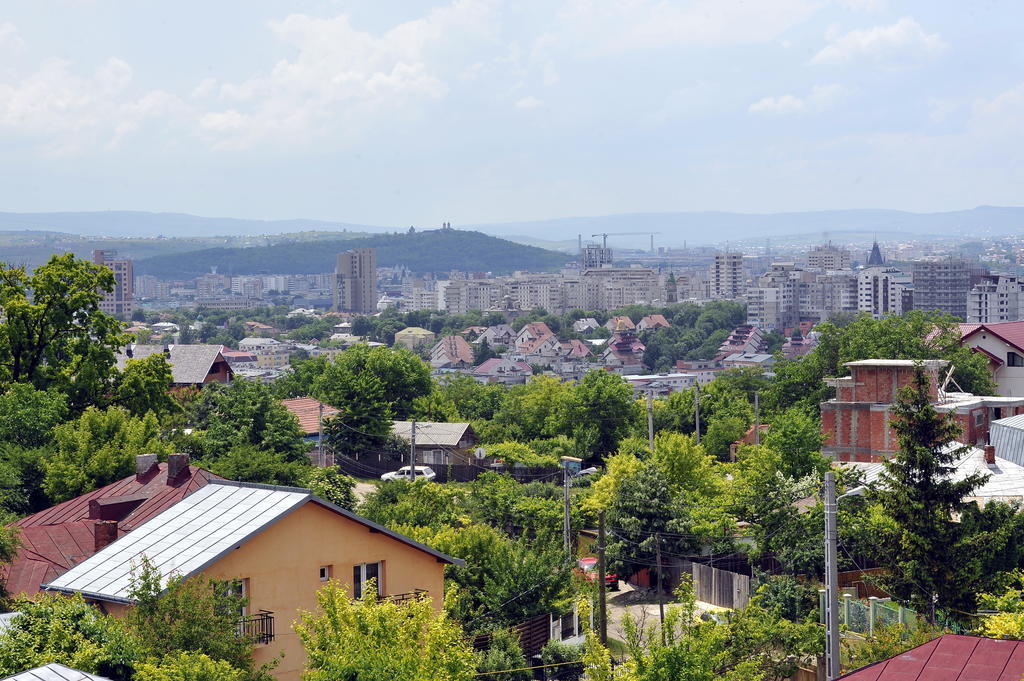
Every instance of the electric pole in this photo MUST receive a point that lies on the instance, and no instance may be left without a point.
(832, 670)
(650, 421)
(757, 418)
(320, 437)
(566, 528)
(696, 407)
(661, 591)
(412, 452)
(601, 615)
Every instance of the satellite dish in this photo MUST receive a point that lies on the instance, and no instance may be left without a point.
(480, 452)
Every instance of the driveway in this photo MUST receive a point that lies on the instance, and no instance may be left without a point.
(642, 605)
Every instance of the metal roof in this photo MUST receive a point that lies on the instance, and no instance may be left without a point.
(1008, 437)
(951, 656)
(195, 533)
(431, 433)
(54, 672)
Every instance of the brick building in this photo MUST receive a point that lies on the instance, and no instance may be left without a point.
(856, 422)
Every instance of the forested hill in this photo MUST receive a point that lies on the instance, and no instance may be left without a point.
(427, 251)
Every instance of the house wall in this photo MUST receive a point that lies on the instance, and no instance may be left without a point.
(283, 562)
(1009, 380)
(220, 372)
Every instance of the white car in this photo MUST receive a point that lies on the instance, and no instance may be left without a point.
(404, 473)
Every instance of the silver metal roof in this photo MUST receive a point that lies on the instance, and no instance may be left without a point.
(431, 432)
(54, 672)
(1008, 437)
(195, 533)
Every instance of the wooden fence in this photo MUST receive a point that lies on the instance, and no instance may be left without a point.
(720, 587)
(863, 581)
(533, 634)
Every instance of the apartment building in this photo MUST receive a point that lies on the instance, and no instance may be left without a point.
(355, 281)
(997, 298)
(120, 302)
(883, 291)
(828, 257)
(942, 285)
(726, 278)
(594, 257)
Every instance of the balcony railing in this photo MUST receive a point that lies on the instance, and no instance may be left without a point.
(258, 627)
(413, 595)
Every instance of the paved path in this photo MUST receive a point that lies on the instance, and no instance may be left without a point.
(643, 605)
(364, 488)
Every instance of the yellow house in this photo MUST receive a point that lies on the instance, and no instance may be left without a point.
(280, 543)
(413, 336)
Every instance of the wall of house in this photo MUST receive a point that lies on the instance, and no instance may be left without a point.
(1009, 380)
(220, 372)
(282, 565)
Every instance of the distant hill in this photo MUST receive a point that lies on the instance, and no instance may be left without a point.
(425, 251)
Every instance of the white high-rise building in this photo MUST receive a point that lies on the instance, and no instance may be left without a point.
(998, 298)
(725, 277)
(883, 291)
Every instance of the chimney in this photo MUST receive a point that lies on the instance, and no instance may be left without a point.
(176, 464)
(104, 533)
(990, 455)
(144, 463)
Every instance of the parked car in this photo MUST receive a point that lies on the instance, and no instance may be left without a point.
(588, 570)
(405, 473)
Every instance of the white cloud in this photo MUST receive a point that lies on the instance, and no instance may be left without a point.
(821, 98)
(903, 43)
(68, 113)
(864, 5)
(529, 102)
(9, 38)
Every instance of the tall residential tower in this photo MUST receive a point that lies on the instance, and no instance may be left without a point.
(119, 302)
(355, 281)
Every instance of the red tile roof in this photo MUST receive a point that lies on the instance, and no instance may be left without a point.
(58, 538)
(948, 657)
(1009, 332)
(307, 411)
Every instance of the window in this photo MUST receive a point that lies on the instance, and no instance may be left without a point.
(325, 573)
(363, 573)
(1014, 360)
(979, 417)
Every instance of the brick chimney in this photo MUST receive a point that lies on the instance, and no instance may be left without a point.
(104, 533)
(990, 455)
(144, 463)
(176, 465)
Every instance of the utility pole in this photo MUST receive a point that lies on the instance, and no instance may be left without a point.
(832, 670)
(696, 406)
(757, 418)
(566, 528)
(412, 452)
(650, 421)
(601, 615)
(661, 590)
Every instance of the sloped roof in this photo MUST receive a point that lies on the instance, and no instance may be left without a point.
(54, 672)
(58, 537)
(197, 532)
(307, 411)
(1011, 333)
(492, 366)
(190, 364)
(875, 257)
(654, 321)
(414, 331)
(948, 657)
(455, 349)
(431, 433)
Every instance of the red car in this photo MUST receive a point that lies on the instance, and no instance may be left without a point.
(588, 570)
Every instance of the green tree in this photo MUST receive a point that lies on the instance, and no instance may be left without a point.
(379, 640)
(249, 463)
(722, 432)
(196, 615)
(53, 333)
(245, 413)
(65, 629)
(98, 449)
(188, 666)
(364, 418)
(601, 413)
(402, 377)
(503, 652)
(299, 381)
(797, 437)
(332, 485)
(483, 352)
(144, 386)
(28, 416)
(400, 503)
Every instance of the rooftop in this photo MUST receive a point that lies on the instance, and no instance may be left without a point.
(54, 672)
(948, 657)
(307, 411)
(928, 363)
(190, 364)
(197, 532)
(431, 433)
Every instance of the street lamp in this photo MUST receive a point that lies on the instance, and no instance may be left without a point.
(832, 669)
(570, 470)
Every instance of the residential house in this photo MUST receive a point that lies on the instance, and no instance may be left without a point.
(950, 656)
(855, 422)
(541, 350)
(259, 329)
(585, 325)
(451, 352)
(413, 337)
(56, 539)
(653, 322)
(237, 359)
(499, 334)
(306, 411)
(503, 370)
(748, 359)
(704, 369)
(624, 353)
(575, 349)
(614, 323)
(439, 444)
(659, 385)
(270, 353)
(54, 672)
(473, 331)
(745, 338)
(531, 333)
(1003, 345)
(279, 544)
(191, 365)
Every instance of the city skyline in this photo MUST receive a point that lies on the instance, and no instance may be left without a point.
(488, 111)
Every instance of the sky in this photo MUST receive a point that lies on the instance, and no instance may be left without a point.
(415, 112)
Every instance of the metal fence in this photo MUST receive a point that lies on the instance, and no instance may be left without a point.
(863, 616)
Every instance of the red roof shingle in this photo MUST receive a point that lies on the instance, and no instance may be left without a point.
(951, 656)
(307, 411)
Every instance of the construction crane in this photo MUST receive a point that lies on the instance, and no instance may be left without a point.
(604, 236)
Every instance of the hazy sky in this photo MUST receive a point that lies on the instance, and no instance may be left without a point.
(412, 112)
